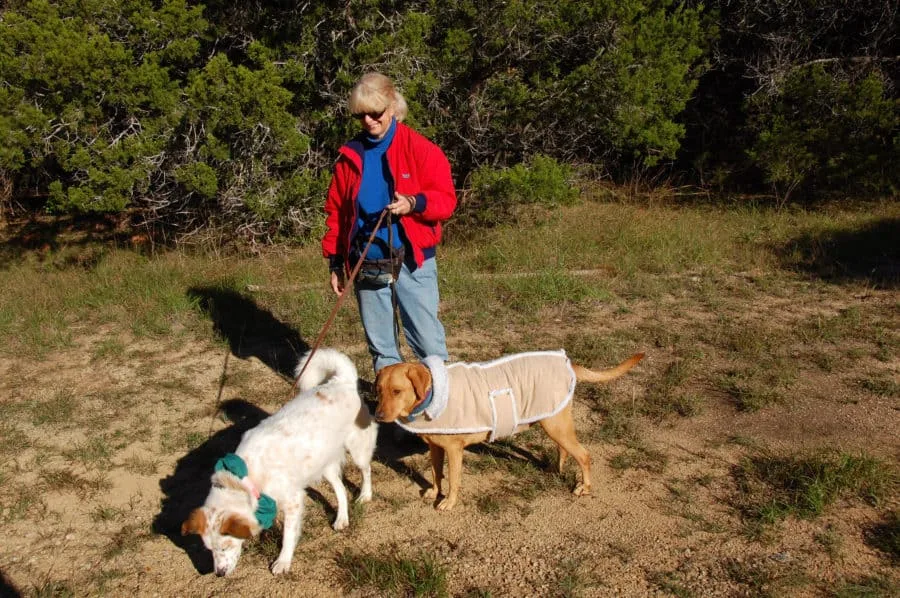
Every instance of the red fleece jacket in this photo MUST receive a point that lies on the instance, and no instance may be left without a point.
(418, 167)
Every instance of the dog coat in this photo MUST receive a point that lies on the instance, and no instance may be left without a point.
(495, 396)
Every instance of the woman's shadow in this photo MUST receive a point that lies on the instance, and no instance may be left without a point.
(250, 330)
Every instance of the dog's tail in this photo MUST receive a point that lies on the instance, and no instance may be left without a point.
(583, 374)
(327, 365)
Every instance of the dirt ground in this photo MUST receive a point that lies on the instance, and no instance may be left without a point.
(668, 529)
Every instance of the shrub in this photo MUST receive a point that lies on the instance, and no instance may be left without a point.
(830, 131)
(497, 192)
(168, 109)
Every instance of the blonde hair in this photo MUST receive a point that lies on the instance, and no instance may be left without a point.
(375, 92)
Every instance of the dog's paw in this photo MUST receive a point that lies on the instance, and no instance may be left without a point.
(364, 497)
(581, 490)
(445, 504)
(341, 523)
(430, 493)
(280, 566)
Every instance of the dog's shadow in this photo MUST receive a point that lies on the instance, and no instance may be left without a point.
(394, 443)
(186, 487)
(7, 589)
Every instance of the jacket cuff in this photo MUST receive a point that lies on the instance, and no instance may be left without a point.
(336, 263)
(420, 204)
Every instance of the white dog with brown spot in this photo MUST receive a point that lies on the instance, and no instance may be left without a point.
(303, 442)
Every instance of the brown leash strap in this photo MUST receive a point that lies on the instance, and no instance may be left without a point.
(337, 304)
(394, 307)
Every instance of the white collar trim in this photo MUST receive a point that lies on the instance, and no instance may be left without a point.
(440, 386)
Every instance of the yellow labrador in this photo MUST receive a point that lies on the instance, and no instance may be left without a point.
(452, 406)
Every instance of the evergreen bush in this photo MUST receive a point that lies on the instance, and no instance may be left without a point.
(542, 180)
(827, 132)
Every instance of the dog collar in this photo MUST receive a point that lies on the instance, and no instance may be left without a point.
(266, 508)
(420, 407)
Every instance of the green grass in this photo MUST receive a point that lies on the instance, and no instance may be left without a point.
(14, 439)
(763, 579)
(639, 456)
(106, 513)
(881, 386)
(59, 409)
(773, 487)
(66, 480)
(669, 392)
(147, 466)
(489, 503)
(24, 503)
(832, 329)
(872, 586)
(832, 542)
(627, 250)
(751, 389)
(52, 589)
(93, 453)
(571, 580)
(391, 574)
(128, 539)
(599, 349)
(524, 478)
(41, 308)
(669, 582)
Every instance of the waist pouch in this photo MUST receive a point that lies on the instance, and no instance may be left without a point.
(381, 272)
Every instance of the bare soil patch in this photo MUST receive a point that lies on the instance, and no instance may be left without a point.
(105, 457)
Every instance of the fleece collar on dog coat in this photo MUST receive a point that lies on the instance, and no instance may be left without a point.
(495, 396)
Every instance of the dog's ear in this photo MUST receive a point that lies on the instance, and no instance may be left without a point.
(195, 523)
(420, 377)
(237, 527)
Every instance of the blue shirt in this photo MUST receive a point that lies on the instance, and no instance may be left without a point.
(376, 192)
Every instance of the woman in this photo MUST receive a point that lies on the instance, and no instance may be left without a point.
(388, 165)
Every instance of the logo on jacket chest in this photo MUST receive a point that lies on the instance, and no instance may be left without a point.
(405, 175)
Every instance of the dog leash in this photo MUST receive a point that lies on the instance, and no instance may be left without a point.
(395, 313)
(337, 304)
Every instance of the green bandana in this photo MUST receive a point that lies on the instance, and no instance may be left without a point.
(266, 509)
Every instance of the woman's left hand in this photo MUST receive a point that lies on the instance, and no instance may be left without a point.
(402, 204)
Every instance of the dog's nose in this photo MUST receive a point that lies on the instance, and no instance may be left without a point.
(221, 572)
(379, 415)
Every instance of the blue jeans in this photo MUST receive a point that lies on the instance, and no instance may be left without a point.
(417, 302)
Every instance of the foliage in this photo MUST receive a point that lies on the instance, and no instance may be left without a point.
(778, 67)
(821, 128)
(541, 180)
(196, 115)
(188, 116)
(112, 106)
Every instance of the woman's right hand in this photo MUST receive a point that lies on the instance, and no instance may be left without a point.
(337, 282)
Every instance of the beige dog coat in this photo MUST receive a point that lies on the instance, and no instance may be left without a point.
(495, 396)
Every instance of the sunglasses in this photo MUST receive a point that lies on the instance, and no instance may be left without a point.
(372, 115)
